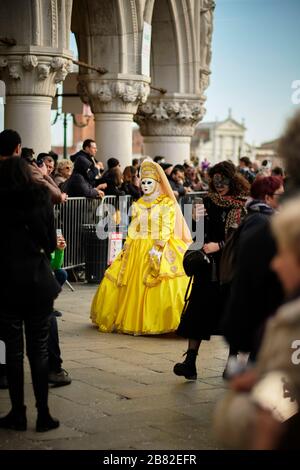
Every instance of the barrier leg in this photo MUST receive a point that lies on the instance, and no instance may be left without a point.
(70, 286)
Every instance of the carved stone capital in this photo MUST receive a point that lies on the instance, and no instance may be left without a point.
(170, 117)
(31, 74)
(122, 95)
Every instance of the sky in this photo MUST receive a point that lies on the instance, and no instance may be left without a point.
(255, 59)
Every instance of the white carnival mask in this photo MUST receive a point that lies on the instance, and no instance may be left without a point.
(148, 186)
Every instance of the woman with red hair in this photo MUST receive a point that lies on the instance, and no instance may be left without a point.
(264, 189)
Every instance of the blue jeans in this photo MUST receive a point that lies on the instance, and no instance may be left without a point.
(61, 276)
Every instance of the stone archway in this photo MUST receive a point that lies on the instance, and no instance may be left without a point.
(33, 60)
(168, 122)
(111, 35)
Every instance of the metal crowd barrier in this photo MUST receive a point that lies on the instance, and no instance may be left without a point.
(79, 215)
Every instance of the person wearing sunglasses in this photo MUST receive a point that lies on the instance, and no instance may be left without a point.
(63, 172)
(224, 208)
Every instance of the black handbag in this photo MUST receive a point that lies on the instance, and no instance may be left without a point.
(193, 261)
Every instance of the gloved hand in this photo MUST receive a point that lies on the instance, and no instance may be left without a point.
(154, 252)
(155, 257)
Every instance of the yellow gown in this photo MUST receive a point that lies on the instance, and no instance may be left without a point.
(140, 294)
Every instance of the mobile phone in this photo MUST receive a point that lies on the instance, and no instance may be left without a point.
(58, 232)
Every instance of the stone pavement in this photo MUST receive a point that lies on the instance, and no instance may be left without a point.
(124, 394)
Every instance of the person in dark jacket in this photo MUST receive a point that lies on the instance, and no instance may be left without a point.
(176, 181)
(225, 208)
(28, 237)
(131, 184)
(79, 183)
(112, 164)
(256, 291)
(88, 152)
(113, 180)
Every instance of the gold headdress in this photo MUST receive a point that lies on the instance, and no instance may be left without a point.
(149, 170)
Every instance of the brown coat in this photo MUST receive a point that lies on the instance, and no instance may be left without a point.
(56, 194)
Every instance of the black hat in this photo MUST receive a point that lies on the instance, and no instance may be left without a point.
(165, 166)
(112, 163)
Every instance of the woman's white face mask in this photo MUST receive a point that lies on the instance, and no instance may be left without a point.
(148, 186)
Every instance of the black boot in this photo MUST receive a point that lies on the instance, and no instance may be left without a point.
(45, 422)
(187, 368)
(16, 419)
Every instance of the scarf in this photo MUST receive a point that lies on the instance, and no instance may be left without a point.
(237, 208)
(255, 205)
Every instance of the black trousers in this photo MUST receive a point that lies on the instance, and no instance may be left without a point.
(54, 353)
(35, 319)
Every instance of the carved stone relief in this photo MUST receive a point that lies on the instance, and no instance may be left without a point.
(173, 117)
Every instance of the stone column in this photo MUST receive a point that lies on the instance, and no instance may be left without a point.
(31, 81)
(114, 101)
(168, 124)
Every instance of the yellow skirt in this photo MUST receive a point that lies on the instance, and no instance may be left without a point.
(135, 308)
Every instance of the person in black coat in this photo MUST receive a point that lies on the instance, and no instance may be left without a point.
(224, 206)
(28, 287)
(113, 179)
(256, 292)
(88, 152)
(79, 184)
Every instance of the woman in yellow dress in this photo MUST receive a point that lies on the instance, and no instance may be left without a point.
(142, 292)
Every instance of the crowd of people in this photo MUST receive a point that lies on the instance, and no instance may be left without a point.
(245, 269)
(82, 175)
